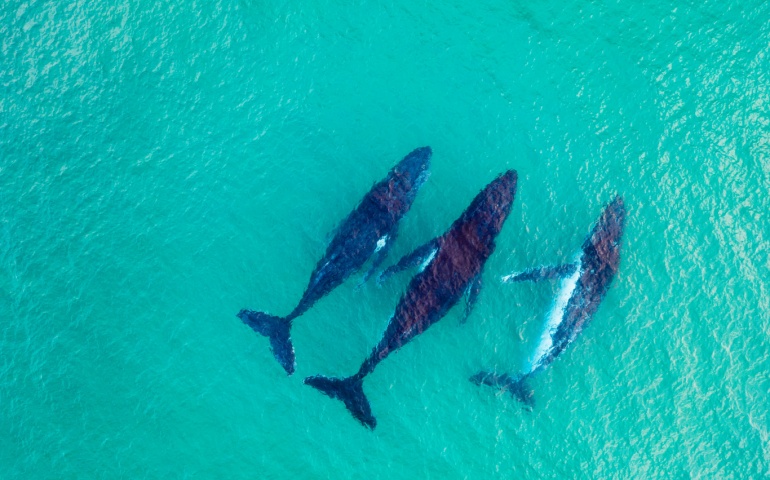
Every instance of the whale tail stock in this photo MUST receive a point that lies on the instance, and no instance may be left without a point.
(277, 330)
(350, 391)
(516, 386)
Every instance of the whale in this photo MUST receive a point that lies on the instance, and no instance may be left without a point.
(583, 285)
(367, 232)
(451, 267)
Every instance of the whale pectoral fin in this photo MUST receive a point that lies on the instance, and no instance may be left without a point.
(472, 293)
(422, 254)
(553, 272)
(380, 253)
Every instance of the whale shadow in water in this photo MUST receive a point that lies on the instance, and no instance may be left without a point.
(368, 231)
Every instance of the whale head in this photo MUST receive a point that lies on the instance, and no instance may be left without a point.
(605, 237)
(490, 208)
(398, 191)
(411, 172)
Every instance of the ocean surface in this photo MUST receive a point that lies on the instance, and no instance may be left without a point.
(165, 164)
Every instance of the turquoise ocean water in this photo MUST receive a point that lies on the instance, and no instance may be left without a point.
(165, 164)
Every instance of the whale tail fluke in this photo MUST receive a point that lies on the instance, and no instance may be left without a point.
(277, 330)
(516, 386)
(350, 391)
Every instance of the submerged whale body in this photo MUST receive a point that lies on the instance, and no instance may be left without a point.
(583, 286)
(452, 267)
(368, 231)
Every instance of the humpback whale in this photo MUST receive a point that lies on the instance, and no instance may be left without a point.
(451, 267)
(583, 286)
(368, 231)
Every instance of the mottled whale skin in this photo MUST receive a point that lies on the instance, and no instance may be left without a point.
(368, 231)
(584, 284)
(452, 267)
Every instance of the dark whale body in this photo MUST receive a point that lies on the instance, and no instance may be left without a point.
(584, 285)
(368, 231)
(453, 265)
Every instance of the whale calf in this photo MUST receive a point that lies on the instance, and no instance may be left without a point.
(368, 231)
(583, 286)
(451, 267)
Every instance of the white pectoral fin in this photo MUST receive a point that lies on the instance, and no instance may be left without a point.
(428, 259)
(520, 276)
(420, 257)
(509, 278)
(553, 272)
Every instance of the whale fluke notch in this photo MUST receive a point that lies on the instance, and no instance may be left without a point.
(350, 391)
(277, 330)
(516, 386)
